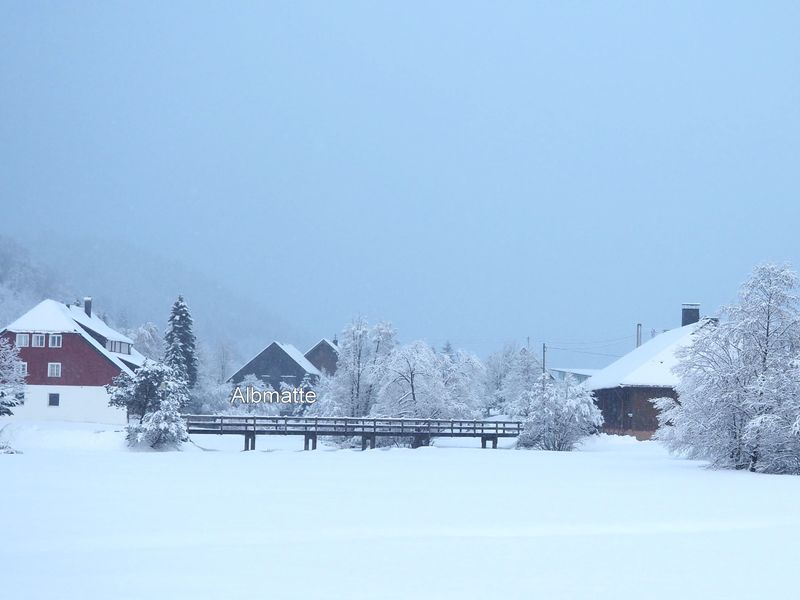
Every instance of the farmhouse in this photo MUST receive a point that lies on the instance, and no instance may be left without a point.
(68, 355)
(624, 390)
(279, 364)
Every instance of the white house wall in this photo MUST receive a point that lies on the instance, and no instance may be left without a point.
(76, 403)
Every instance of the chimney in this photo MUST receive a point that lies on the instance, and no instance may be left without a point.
(87, 306)
(690, 313)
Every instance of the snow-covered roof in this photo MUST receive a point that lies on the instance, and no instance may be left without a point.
(50, 316)
(298, 357)
(96, 324)
(584, 372)
(333, 346)
(649, 365)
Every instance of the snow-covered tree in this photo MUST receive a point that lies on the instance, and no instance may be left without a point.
(161, 429)
(523, 376)
(147, 340)
(498, 366)
(558, 414)
(155, 397)
(417, 382)
(739, 393)
(179, 341)
(142, 393)
(351, 391)
(12, 380)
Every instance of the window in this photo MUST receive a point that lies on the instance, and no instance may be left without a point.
(53, 399)
(55, 340)
(54, 369)
(37, 340)
(22, 340)
(22, 368)
(118, 347)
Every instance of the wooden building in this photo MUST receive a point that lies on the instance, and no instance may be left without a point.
(324, 355)
(625, 389)
(279, 364)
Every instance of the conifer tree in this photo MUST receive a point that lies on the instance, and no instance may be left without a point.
(179, 340)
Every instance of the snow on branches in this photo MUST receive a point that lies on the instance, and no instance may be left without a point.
(739, 393)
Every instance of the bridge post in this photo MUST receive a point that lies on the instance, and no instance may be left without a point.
(310, 442)
(483, 441)
(249, 441)
(313, 442)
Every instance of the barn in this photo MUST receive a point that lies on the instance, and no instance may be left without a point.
(279, 364)
(324, 355)
(69, 355)
(624, 390)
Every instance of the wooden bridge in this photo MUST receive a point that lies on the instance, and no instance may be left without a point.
(419, 430)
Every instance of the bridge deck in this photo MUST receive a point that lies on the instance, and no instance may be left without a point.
(369, 429)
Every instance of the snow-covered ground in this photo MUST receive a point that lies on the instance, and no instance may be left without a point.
(84, 518)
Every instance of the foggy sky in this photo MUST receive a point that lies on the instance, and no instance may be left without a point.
(469, 171)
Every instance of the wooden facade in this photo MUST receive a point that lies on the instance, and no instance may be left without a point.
(274, 366)
(324, 355)
(630, 411)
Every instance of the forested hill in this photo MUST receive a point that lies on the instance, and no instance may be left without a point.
(132, 286)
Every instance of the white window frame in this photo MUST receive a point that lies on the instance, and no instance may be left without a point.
(22, 366)
(23, 340)
(38, 337)
(53, 368)
(53, 338)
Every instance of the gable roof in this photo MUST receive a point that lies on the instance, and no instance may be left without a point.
(298, 357)
(649, 365)
(50, 316)
(287, 349)
(324, 341)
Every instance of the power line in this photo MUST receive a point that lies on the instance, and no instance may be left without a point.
(582, 351)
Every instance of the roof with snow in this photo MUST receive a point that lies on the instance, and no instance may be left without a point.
(50, 316)
(327, 342)
(298, 357)
(649, 365)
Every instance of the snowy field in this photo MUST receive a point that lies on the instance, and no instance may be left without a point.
(86, 519)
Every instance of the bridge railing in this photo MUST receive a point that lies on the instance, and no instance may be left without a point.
(347, 426)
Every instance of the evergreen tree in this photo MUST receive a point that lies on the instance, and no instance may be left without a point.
(155, 394)
(179, 340)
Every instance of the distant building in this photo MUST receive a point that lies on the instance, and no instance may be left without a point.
(624, 390)
(69, 355)
(578, 375)
(324, 355)
(279, 364)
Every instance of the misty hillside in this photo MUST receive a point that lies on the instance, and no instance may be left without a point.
(132, 285)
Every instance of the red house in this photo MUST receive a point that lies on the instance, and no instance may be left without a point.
(69, 355)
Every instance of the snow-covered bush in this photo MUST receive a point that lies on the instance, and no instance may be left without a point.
(161, 429)
(738, 400)
(154, 397)
(12, 380)
(558, 414)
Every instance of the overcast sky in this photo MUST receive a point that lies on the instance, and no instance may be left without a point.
(478, 172)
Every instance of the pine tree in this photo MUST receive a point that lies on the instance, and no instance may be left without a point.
(179, 340)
